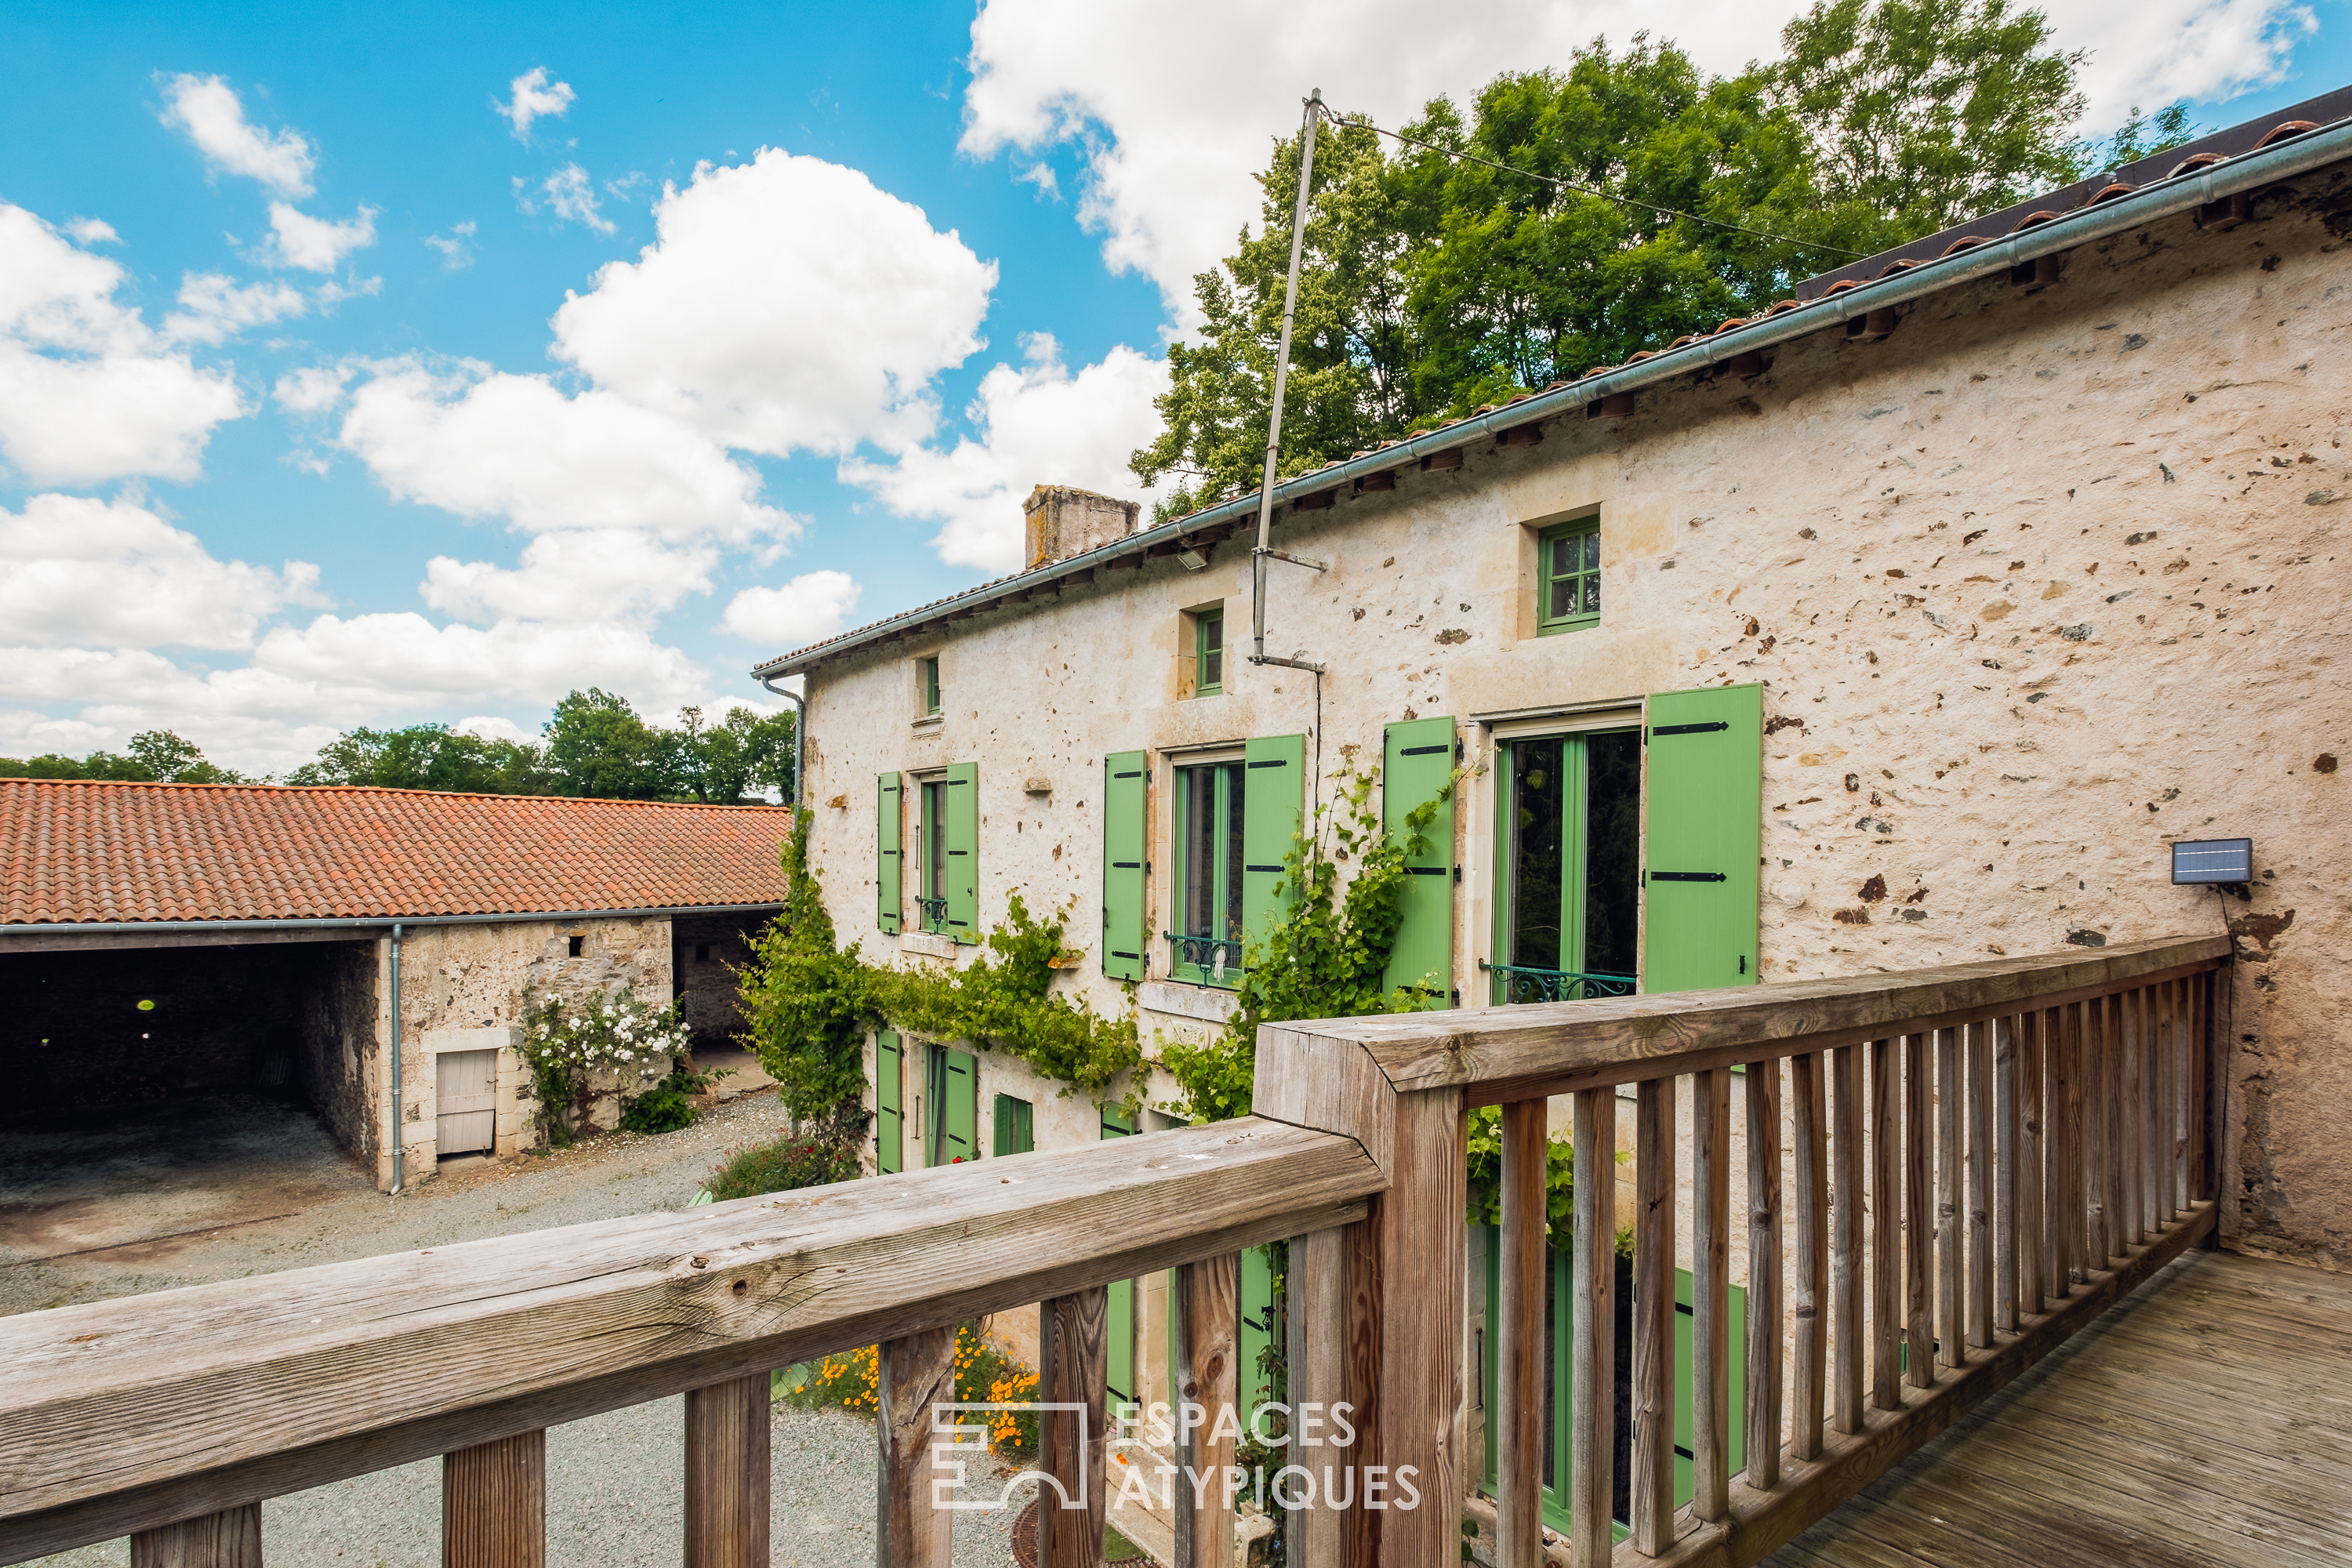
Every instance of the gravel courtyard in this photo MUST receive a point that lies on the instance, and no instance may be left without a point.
(93, 1214)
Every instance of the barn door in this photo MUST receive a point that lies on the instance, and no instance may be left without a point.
(466, 1091)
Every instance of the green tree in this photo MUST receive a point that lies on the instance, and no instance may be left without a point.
(600, 746)
(722, 764)
(430, 756)
(154, 756)
(807, 1003)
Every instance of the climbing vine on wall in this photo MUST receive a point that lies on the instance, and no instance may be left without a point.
(807, 1003)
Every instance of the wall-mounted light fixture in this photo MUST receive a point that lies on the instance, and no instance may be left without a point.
(2197, 861)
(1192, 558)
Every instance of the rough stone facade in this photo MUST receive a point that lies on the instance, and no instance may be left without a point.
(2033, 585)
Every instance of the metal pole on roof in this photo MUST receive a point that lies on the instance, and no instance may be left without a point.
(1258, 557)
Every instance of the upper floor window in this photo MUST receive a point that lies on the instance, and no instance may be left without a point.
(931, 851)
(926, 685)
(1210, 811)
(1568, 577)
(1209, 653)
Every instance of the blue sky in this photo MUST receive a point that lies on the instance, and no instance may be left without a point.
(363, 368)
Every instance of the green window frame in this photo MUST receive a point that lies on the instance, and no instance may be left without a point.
(926, 684)
(1209, 653)
(951, 1131)
(1568, 577)
(931, 855)
(1566, 854)
(1205, 948)
(1015, 1126)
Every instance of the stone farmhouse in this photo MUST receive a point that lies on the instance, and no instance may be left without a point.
(1911, 621)
(175, 940)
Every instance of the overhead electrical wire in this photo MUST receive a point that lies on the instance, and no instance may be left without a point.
(1365, 123)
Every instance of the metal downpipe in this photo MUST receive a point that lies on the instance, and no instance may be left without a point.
(399, 1167)
(800, 732)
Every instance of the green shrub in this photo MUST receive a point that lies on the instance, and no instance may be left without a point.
(791, 1163)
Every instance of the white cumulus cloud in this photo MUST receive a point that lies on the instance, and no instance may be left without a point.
(87, 391)
(213, 308)
(575, 575)
(1037, 424)
(457, 252)
(74, 571)
(786, 305)
(573, 199)
(811, 606)
(92, 231)
(529, 97)
(206, 111)
(316, 244)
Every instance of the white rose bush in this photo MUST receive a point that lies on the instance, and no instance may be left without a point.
(580, 1049)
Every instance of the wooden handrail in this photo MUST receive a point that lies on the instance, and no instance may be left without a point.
(1987, 1153)
(128, 1415)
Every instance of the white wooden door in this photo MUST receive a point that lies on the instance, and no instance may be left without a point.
(467, 1085)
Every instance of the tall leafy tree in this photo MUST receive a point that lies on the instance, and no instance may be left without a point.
(154, 756)
(430, 756)
(600, 746)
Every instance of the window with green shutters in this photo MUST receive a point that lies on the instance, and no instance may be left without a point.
(1015, 1126)
(1126, 921)
(931, 857)
(1275, 769)
(1416, 764)
(1568, 577)
(926, 685)
(1569, 810)
(1208, 832)
(1706, 808)
(1209, 653)
(890, 858)
(1559, 1302)
(951, 1111)
(889, 1103)
(962, 868)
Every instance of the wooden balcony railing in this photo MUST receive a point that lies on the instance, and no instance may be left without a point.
(1983, 1158)
(170, 1416)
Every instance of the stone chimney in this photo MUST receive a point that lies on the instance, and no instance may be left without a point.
(1063, 521)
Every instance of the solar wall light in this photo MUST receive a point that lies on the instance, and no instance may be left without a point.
(2199, 861)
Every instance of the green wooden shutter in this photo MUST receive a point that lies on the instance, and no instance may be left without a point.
(963, 851)
(890, 1103)
(889, 851)
(1274, 803)
(1417, 761)
(954, 1111)
(1118, 1360)
(1125, 927)
(1015, 1124)
(1706, 796)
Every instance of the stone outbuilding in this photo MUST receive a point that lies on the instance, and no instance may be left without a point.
(171, 940)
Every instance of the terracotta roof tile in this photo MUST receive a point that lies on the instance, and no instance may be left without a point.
(77, 851)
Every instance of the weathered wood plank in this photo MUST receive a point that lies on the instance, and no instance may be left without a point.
(1980, 1188)
(1521, 1376)
(916, 1372)
(1710, 1293)
(1618, 1039)
(2065, 1159)
(1654, 1317)
(1367, 1350)
(1318, 1288)
(1809, 1125)
(727, 1467)
(1076, 1446)
(1885, 1200)
(1207, 1377)
(1592, 1353)
(1847, 1230)
(1759, 1523)
(2032, 1210)
(2006, 1168)
(1421, 1239)
(2113, 1224)
(230, 1539)
(1918, 1224)
(1951, 1332)
(1765, 1274)
(313, 1374)
(494, 1504)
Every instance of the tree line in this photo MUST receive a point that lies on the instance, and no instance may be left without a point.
(594, 744)
(1431, 285)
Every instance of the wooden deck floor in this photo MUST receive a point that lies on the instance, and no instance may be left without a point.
(2205, 1422)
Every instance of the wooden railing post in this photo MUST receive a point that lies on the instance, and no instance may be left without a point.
(1885, 1200)
(727, 1466)
(914, 1373)
(1846, 1235)
(1654, 1317)
(1207, 1380)
(2007, 1249)
(1711, 1293)
(1980, 1164)
(1592, 1371)
(494, 1503)
(1317, 1339)
(1918, 1224)
(1950, 1334)
(1810, 1122)
(1521, 1373)
(229, 1539)
(1764, 1275)
(2034, 1273)
(1075, 1447)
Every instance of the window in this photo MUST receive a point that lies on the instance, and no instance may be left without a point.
(1568, 577)
(1015, 1126)
(1210, 814)
(932, 854)
(577, 942)
(1570, 879)
(926, 686)
(1209, 653)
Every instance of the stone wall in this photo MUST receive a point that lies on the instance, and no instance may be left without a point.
(2041, 582)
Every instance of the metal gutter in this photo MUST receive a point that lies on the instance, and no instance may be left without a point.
(2313, 150)
(354, 922)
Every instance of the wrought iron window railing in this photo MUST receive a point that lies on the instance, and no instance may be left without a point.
(1520, 983)
(1212, 955)
(935, 912)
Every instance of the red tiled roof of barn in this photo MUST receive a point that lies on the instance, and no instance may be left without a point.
(75, 852)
